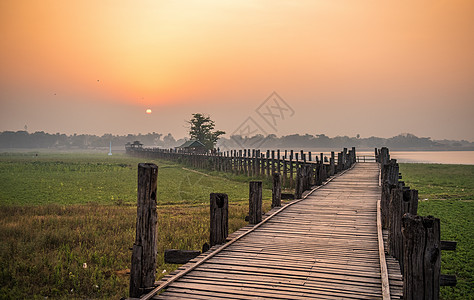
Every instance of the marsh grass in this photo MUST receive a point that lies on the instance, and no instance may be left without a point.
(44, 248)
(100, 179)
(75, 243)
(447, 192)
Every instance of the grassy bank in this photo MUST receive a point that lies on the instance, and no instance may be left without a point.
(447, 192)
(100, 179)
(67, 221)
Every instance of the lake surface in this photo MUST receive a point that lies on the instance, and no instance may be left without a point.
(436, 157)
(439, 157)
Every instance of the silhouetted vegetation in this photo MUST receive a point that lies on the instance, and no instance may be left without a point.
(201, 128)
(40, 139)
(406, 141)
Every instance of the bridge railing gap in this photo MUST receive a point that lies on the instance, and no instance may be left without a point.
(413, 240)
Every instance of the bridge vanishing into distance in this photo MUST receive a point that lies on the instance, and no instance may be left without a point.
(324, 246)
(350, 231)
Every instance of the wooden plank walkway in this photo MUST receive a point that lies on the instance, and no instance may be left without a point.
(324, 247)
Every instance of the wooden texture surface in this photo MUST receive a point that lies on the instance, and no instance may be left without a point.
(323, 247)
(143, 269)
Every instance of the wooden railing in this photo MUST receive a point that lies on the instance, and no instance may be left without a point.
(413, 240)
(258, 164)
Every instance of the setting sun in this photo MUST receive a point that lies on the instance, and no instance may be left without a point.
(148, 111)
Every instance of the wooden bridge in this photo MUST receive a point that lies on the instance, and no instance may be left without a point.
(324, 246)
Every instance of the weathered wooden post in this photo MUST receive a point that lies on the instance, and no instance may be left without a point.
(255, 202)
(340, 163)
(143, 268)
(257, 163)
(384, 156)
(278, 169)
(299, 184)
(276, 190)
(354, 155)
(389, 181)
(422, 257)
(219, 216)
(332, 165)
(395, 241)
(268, 163)
(308, 182)
(291, 169)
(273, 161)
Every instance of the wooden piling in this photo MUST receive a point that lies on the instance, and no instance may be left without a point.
(276, 190)
(422, 257)
(143, 268)
(219, 218)
(291, 169)
(255, 202)
(299, 183)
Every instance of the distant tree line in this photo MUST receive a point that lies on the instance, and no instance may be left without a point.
(294, 141)
(40, 139)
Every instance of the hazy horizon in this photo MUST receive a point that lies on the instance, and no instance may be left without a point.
(339, 68)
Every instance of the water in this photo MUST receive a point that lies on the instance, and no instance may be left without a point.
(436, 157)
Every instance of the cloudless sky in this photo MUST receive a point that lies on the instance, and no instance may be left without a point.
(374, 68)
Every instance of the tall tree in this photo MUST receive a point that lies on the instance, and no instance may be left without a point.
(202, 129)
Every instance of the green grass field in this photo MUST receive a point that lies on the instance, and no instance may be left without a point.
(447, 192)
(67, 221)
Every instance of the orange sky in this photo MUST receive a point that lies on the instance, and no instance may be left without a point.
(345, 67)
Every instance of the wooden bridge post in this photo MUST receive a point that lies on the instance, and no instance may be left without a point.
(309, 176)
(389, 181)
(143, 268)
(268, 163)
(298, 183)
(241, 164)
(273, 161)
(340, 164)
(384, 156)
(297, 163)
(219, 217)
(252, 162)
(332, 165)
(278, 169)
(291, 169)
(257, 163)
(395, 246)
(244, 161)
(422, 257)
(249, 163)
(255, 202)
(276, 190)
(354, 156)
